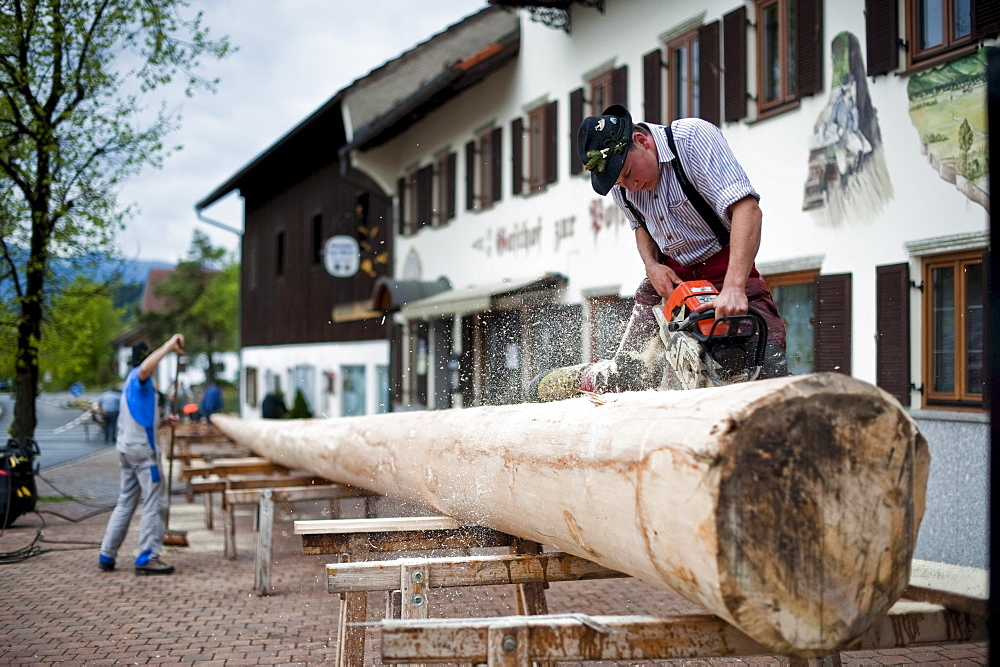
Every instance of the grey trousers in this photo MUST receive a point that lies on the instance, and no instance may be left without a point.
(136, 483)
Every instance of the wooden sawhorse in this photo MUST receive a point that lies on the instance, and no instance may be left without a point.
(265, 500)
(243, 465)
(414, 577)
(358, 539)
(217, 484)
(185, 437)
(958, 616)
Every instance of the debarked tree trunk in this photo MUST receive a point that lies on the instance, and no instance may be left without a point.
(788, 507)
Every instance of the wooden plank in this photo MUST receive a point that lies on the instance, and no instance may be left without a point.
(485, 570)
(294, 494)
(508, 647)
(951, 586)
(353, 613)
(265, 535)
(229, 532)
(255, 483)
(576, 637)
(383, 525)
(231, 466)
(202, 485)
(530, 595)
(465, 537)
(412, 582)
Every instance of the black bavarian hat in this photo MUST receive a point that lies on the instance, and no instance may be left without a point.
(602, 144)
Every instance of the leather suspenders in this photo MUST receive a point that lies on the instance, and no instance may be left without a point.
(706, 212)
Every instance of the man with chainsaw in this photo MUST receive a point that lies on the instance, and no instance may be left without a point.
(696, 217)
(139, 473)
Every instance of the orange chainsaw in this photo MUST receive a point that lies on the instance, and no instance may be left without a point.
(702, 351)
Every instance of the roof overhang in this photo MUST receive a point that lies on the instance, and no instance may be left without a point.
(452, 57)
(450, 83)
(506, 294)
(390, 294)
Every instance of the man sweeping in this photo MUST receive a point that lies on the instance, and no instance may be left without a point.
(138, 470)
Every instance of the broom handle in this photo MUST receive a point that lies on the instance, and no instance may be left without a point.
(170, 461)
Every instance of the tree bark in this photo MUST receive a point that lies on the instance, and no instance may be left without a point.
(788, 507)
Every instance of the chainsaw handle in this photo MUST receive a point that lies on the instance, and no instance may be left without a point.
(689, 324)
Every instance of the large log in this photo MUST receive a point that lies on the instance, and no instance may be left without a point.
(788, 507)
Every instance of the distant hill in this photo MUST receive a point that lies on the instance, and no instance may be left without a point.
(130, 274)
(131, 270)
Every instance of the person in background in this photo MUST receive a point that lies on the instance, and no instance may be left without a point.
(107, 404)
(211, 402)
(139, 473)
(273, 406)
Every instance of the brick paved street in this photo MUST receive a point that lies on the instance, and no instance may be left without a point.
(57, 607)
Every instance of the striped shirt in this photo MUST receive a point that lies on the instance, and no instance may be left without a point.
(710, 165)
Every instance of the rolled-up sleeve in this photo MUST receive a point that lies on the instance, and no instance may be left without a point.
(713, 169)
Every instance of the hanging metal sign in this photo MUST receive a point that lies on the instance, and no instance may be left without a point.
(341, 256)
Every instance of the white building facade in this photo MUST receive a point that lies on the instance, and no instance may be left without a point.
(872, 180)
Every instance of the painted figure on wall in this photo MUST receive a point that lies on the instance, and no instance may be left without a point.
(947, 106)
(847, 178)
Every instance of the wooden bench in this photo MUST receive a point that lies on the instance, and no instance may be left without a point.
(244, 465)
(357, 540)
(577, 637)
(208, 486)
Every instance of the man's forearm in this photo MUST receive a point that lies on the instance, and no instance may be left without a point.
(150, 363)
(743, 243)
(649, 252)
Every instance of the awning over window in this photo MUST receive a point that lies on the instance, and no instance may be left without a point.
(479, 298)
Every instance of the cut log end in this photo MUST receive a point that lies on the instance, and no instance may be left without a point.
(823, 497)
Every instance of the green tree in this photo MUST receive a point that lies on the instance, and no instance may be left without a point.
(300, 409)
(202, 295)
(77, 336)
(73, 74)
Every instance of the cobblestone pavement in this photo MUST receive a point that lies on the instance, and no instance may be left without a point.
(57, 607)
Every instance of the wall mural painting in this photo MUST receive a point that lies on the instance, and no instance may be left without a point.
(948, 108)
(848, 179)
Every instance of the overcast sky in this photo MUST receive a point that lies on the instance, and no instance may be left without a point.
(293, 56)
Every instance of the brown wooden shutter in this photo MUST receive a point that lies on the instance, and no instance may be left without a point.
(709, 67)
(517, 155)
(551, 141)
(619, 86)
(449, 185)
(496, 161)
(833, 324)
(892, 335)
(425, 196)
(809, 47)
(470, 176)
(881, 37)
(652, 86)
(575, 120)
(985, 18)
(401, 195)
(734, 42)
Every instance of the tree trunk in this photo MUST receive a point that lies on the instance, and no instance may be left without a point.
(788, 507)
(29, 328)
